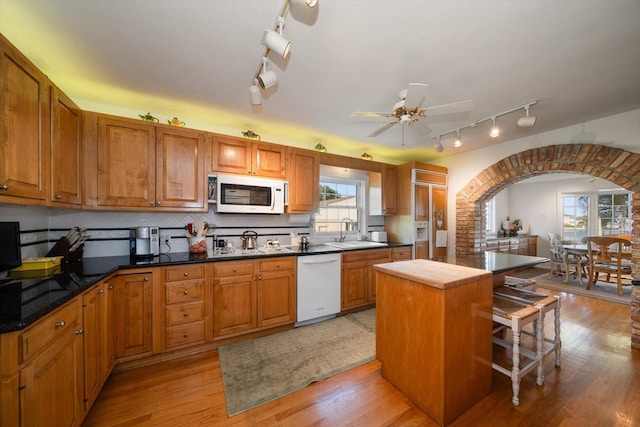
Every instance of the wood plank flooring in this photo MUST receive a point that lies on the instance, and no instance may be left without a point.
(597, 385)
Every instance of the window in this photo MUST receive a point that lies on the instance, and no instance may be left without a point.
(575, 217)
(595, 214)
(490, 214)
(614, 214)
(342, 202)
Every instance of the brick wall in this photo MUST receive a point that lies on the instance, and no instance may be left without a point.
(615, 165)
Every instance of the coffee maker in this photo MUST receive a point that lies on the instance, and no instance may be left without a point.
(144, 242)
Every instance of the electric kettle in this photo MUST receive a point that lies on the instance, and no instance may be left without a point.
(249, 240)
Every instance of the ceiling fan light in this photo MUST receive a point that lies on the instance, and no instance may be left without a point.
(254, 94)
(308, 3)
(276, 42)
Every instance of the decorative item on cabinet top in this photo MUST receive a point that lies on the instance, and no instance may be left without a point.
(251, 135)
(148, 117)
(176, 122)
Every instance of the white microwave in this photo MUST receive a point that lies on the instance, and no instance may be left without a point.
(250, 194)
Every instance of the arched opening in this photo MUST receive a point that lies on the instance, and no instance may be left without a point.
(615, 165)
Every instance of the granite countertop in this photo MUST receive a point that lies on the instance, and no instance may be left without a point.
(25, 300)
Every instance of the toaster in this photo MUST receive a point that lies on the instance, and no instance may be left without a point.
(379, 236)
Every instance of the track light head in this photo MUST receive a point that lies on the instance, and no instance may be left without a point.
(495, 130)
(254, 93)
(458, 142)
(526, 121)
(438, 146)
(308, 3)
(266, 78)
(275, 41)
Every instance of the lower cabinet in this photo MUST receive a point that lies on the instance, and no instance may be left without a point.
(253, 294)
(51, 379)
(132, 293)
(402, 253)
(358, 286)
(422, 250)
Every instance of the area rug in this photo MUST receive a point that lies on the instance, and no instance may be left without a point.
(600, 290)
(261, 370)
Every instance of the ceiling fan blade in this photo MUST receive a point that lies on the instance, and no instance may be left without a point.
(370, 114)
(420, 128)
(416, 94)
(454, 107)
(382, 129)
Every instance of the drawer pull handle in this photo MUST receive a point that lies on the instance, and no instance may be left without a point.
(146, 279)
(57, 197)
(4, 187)
(60, 324)
(186, 292)
(186, 314)
(186, 273)
(185, 335)
(100, 291)
(79, 331)
(235, 270)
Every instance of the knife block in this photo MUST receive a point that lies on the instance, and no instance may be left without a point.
(61, 248)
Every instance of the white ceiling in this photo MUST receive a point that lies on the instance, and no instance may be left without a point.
(195, 59)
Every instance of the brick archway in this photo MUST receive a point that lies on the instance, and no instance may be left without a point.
(615, 165)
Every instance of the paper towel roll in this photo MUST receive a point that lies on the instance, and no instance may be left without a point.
(441, 238)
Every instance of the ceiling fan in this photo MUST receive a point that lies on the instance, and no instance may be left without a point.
(408, 109)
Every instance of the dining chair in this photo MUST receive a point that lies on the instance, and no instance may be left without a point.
(607, 255)
(564, 262)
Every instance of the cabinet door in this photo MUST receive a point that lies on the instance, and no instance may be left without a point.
(24, 120)
(439, 205)
(132, 314)
(65, 149)
(422, 250)
(303, 175)
(276, 298)
(230, 155)
(390, 190)
(51, 386)
(94, 342)
(269, 160)
(234, 305)
(354, 284)
(422, 203)
(180, 173)
(126, 163)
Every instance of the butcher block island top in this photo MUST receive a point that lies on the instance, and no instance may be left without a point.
(433, 334)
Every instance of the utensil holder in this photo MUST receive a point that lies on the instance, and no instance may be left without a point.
(197, 245)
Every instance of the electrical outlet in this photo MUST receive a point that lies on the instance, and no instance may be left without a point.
(165, 238)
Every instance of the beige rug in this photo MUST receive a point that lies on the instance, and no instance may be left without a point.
(601, 290)
(261, 370)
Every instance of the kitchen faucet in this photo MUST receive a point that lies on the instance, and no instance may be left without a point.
(343, 221)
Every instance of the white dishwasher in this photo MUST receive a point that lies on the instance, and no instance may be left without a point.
(318, 287)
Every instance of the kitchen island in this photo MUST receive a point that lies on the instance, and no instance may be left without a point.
(433, 334)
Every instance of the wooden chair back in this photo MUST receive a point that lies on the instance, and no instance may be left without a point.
(606, 256)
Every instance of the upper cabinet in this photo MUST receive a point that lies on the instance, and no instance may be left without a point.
(65, 150)
(243, 156)
(24, 129)
(303, 176)
(389, 190)
(142, 165)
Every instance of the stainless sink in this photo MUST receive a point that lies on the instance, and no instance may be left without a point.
(356, 244)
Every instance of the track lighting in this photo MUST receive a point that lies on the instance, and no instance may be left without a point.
(308, 3)
(254, 93)
(495, 130)
(458, 142)
(267, 78)
(526, 121)
(275, 41)
(438, 146)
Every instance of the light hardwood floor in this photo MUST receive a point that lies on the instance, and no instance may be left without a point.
(597, 385)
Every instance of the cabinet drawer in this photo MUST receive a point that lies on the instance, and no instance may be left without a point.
(403, 253)
(186, 291)
(47, 330)
(172, 274)
(184, 313)
(232, 268)
(277, 264)
(369, 254)
(189, 333)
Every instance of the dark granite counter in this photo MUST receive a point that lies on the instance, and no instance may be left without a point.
(24, 301)
(497, 263)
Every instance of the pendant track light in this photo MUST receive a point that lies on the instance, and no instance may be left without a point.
(526, 121)
(458, 142)
(308, 3)
(495, 130)
(254, 93)
(438, 146)
(275, 41)
(267, 78)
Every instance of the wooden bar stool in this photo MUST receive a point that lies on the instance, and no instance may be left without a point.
(512, 310)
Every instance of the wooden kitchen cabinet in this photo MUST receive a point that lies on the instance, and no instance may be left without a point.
(141, 165)
(186, 302)
(422, 249)
(51, 381)
(357, 284)
(99, 354)
(25, 123)
(252, 294)
(402, 253)
(303, 175)
(132, 305)
(390, 190)
(421, 203)
(439, 206)
(66, 159)
(243, 156)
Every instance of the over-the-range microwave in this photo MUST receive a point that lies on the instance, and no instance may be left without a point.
(250, 194)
